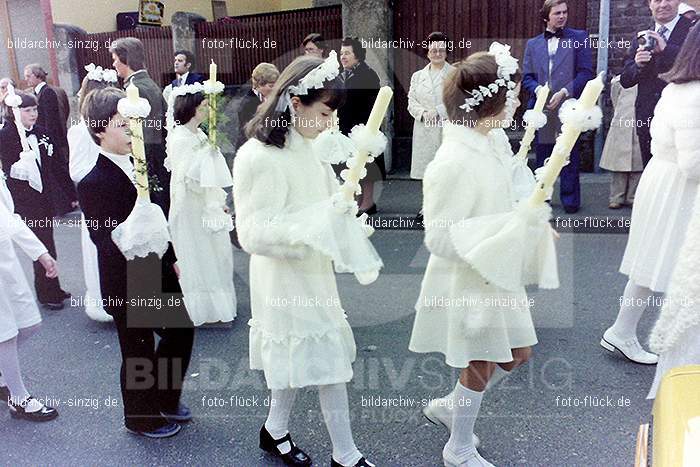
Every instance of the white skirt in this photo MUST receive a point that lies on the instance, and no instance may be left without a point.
(18, 309)
(685, 352)
(662, 209)
(463, 317)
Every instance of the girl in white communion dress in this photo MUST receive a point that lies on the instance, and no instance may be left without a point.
(199, 224)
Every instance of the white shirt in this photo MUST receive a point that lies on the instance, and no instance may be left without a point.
(123, 161)
(552, 46)
(670, 25)
(34, 145)
(38, 87)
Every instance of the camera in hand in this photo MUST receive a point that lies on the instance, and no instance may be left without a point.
(646, 40)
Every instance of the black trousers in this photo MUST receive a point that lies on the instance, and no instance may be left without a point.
(47, 290)
(151, 375)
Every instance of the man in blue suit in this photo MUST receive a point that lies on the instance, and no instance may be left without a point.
(562, 57)
(183, 64)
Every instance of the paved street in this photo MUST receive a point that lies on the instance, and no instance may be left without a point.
(574, 404)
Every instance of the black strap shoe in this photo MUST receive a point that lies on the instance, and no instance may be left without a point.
(294, 457)
(44, 414)
(361, 463)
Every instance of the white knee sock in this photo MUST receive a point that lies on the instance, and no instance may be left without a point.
(277, 421)
(466, 409)
(498, 374)
(9, 366)
(336, 413)
(634, 302)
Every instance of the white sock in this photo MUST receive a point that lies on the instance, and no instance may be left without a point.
(634, 302)
(277, 421)
(9, 366)
(498, 374)
(466, 409)
(336, 413)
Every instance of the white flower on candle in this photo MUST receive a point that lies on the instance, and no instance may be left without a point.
(534, 119)
(574, 114)
(364, 140)
(134, 109)
(216, 87)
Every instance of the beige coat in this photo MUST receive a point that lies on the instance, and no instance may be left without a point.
(425, 94)
(621, 152)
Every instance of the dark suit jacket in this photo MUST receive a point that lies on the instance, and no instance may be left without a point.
(107, 197)
(154, 134)
(246, 110)
(28, 201)
(572, 67)
(191, 79)
(51, 117)
(647, 77)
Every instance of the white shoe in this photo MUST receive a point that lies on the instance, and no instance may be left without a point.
(630, 348)
(472, 459)
(438, 412)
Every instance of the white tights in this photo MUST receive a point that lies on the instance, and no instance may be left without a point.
(634, 301)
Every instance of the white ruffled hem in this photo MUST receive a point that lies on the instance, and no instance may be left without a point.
(338, 235)
(207, 306)
(26, 169)
(512, 249)
(294, 361)
(145, 231)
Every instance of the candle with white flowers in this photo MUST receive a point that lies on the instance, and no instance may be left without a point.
(576, 116)
(138, 150)
(363, 138)
(212, 104)
(534, 119)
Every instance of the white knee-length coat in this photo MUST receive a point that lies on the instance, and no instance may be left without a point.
(425, 94)
(299, 335)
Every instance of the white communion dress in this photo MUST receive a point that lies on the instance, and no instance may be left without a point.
(18, 309)
(82, 158)
(458, 312)
(199, 226)
(299, 334)
(666, 194)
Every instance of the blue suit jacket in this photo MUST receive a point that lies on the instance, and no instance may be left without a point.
(572, 67)
(191, 79)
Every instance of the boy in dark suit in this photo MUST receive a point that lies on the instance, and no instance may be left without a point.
(35, 207)
(562, 57)
(133, 291)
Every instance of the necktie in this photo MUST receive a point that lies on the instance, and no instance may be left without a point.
(558, 33)
(662, 32)
(178, 82)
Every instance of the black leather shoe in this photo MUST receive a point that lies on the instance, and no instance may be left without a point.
(294, 457)
(44, 414)
(361, 463)
(53, 306)
(4, 394)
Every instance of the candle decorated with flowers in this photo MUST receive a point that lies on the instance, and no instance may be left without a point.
(534, 120)
(369, 142)
(212, 87)
(577, 115)
(138, 150)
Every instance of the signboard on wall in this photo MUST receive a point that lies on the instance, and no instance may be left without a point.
(151, 12)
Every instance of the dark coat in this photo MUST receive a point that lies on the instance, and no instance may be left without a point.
(28, 202)
(107, 197)
(247, 107)
(52, 116)
(361, 88)
(647, 77)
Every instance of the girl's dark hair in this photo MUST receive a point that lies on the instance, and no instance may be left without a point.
(686, 68)
(357, 49)
(270, 126)
(479, 69)
(185, 107)
(99, 108)
(87, 87)
(436, 36)
(28, 100)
